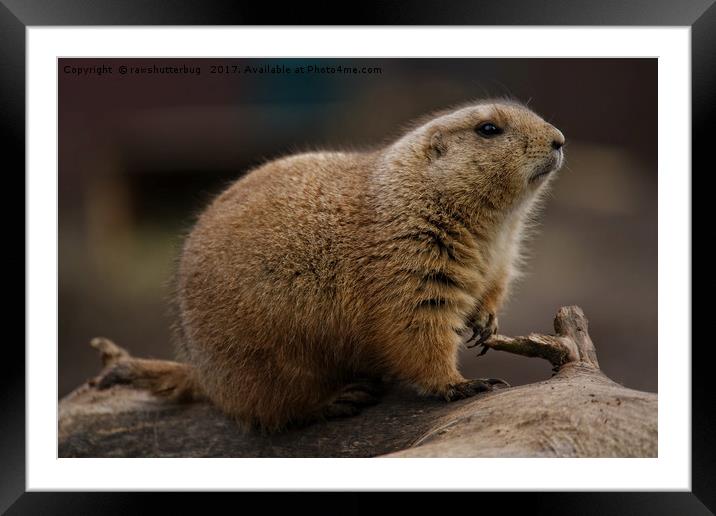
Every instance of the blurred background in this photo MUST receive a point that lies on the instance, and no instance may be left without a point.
(141, 155)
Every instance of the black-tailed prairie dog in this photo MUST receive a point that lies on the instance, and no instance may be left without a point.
(317, 274)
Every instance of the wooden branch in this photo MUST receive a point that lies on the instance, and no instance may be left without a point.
(578, 412)
(572, 343)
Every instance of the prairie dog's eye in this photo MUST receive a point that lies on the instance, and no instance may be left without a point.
(488, 130)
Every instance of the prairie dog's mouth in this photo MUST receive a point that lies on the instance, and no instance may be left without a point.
(551, 164)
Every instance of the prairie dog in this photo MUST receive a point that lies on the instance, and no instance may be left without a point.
(318, 273)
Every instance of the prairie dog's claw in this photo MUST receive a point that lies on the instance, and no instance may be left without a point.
(484, 326)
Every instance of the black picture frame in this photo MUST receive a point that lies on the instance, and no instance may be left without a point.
(17, 15)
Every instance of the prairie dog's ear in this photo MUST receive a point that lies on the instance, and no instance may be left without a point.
(436, 145)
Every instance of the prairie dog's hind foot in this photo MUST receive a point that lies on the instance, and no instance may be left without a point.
(352, 398)
(470, 388)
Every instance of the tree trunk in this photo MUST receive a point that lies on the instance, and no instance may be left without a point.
(579, 412)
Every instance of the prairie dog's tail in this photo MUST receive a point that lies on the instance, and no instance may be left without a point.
(172, 381)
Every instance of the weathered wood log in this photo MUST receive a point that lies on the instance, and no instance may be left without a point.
(579, 412)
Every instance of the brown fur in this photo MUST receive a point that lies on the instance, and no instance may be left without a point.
(317, 270)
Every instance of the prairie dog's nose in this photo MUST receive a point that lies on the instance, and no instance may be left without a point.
(557, 140)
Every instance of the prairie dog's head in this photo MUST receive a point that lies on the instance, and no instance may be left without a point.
(498, 152)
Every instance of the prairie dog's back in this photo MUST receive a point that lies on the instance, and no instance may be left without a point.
(280, 222)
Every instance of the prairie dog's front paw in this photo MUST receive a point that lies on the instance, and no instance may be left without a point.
(483, 325)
